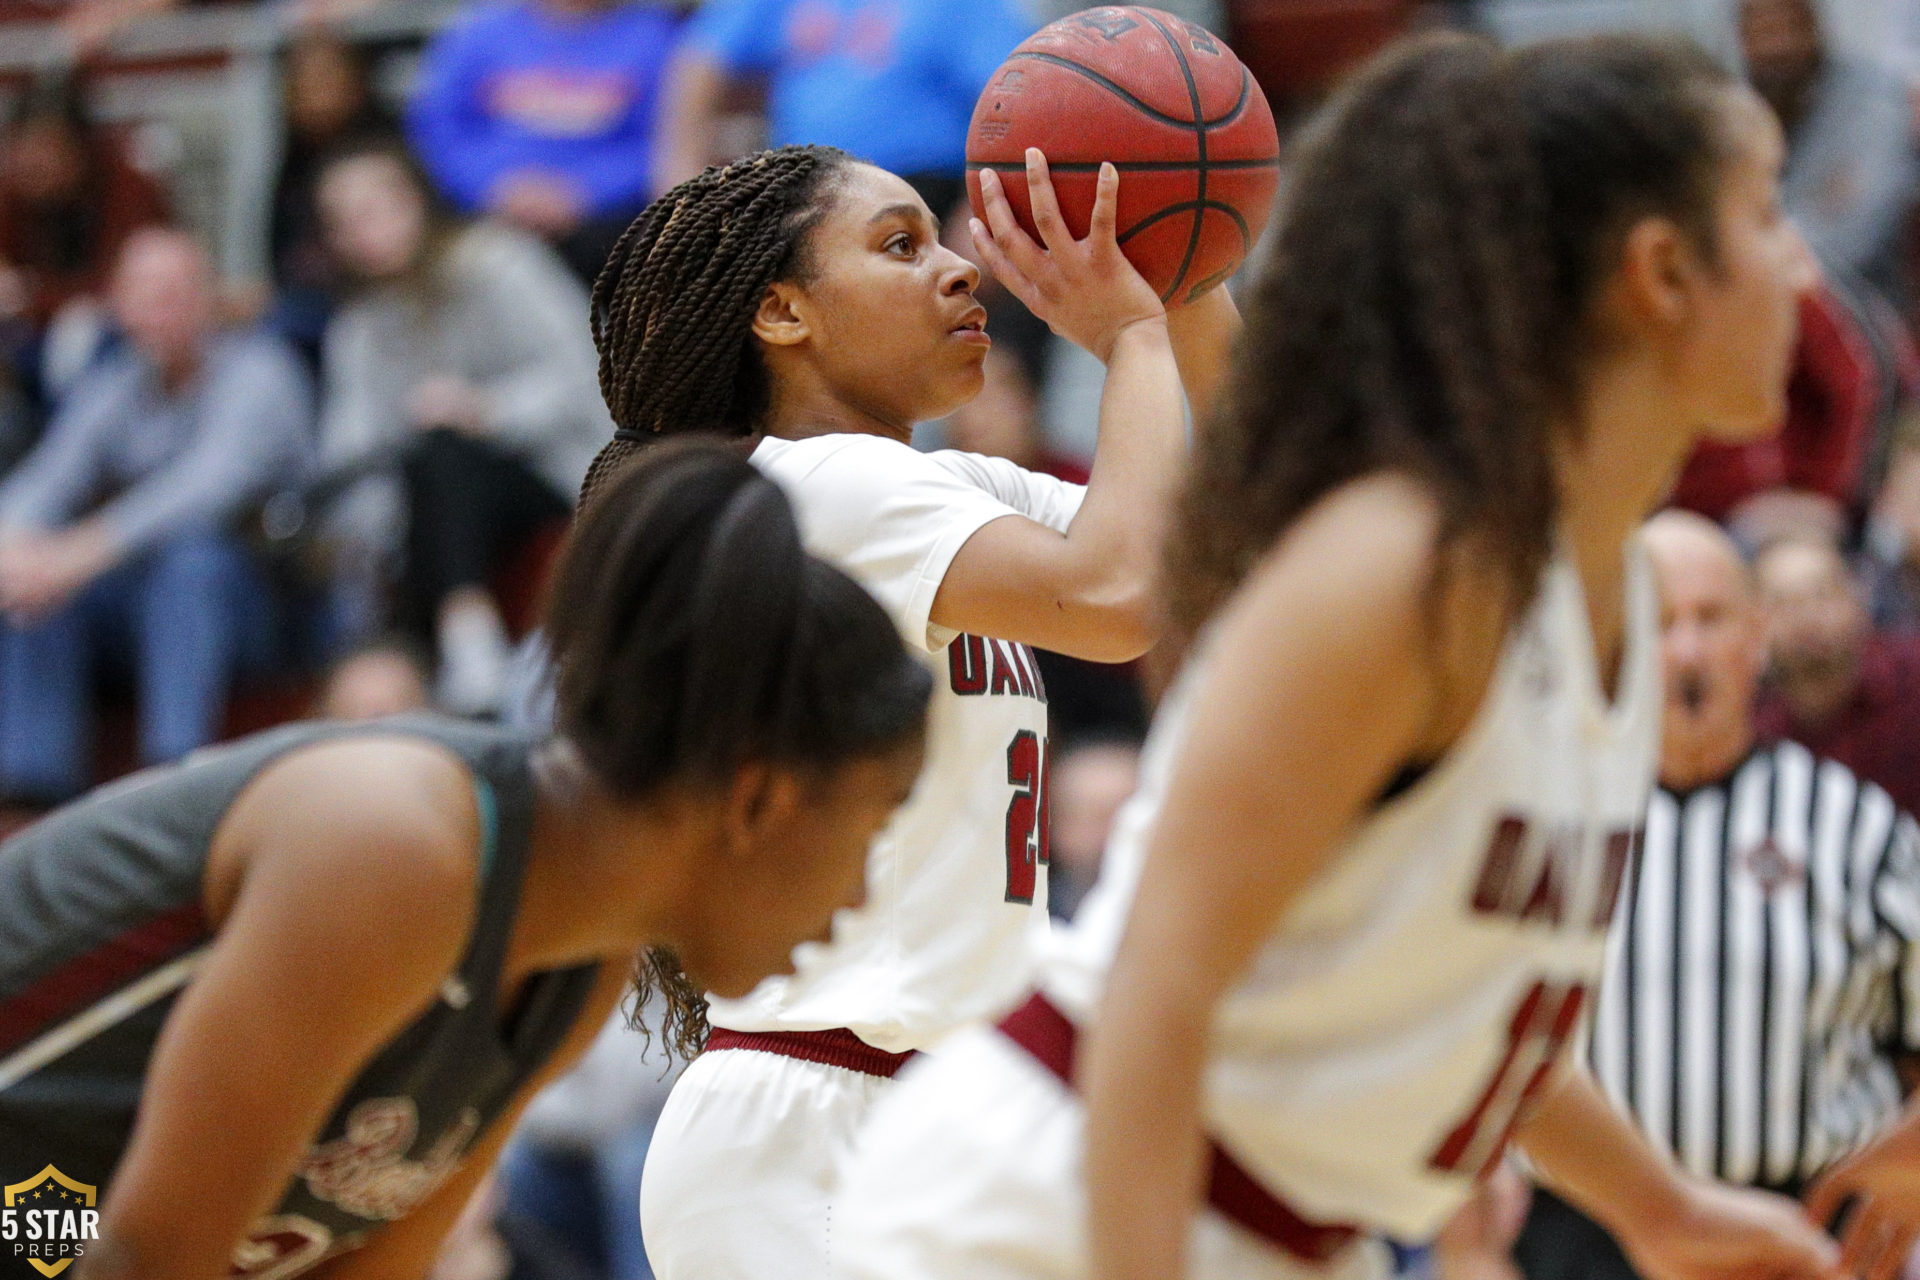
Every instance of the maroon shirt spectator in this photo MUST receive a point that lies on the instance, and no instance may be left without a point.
(1832, 402)
(1840, 689)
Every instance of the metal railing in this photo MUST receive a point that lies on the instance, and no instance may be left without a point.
(211, 77)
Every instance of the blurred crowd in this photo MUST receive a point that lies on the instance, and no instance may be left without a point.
(333, 491)
(336, 489)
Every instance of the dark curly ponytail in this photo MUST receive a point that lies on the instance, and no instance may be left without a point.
(1427, 308)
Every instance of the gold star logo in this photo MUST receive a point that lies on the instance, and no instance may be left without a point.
(37, 1188)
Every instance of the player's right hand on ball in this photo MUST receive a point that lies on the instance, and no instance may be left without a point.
(1085, 290)
(1733, 1233)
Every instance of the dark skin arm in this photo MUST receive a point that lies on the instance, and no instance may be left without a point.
(1088, 592)
(344, 881)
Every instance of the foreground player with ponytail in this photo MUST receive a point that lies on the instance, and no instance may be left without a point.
(1349, 923)
(283, 1002)
(801, 301)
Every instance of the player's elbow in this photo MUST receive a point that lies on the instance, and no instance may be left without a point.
(1121, 621)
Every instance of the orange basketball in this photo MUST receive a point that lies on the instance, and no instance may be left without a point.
(1174, 110)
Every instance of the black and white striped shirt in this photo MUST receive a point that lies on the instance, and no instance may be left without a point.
(1763, 972)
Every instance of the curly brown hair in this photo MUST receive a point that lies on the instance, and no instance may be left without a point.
(1427, 306)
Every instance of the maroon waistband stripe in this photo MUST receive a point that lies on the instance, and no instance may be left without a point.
(1050, 1037)
(836, 1048)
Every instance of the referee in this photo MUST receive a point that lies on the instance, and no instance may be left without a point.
(1762, 995)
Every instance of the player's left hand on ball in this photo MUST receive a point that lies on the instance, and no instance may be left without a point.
(1883, 1180)
(1733, 1233)
(1085, 290)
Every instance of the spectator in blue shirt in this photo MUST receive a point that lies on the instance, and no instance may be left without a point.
(892, 81)
(542, 112)
(115, 530)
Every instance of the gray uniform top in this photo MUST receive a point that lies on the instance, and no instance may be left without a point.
(101, 928)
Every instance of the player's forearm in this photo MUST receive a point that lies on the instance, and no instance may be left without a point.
(1203, 333)
(1117, 535)
(1592, 1156)
(1141, 1072)
(131, 1251)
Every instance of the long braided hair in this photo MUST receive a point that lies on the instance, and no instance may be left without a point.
(673, 308)
(672, 320)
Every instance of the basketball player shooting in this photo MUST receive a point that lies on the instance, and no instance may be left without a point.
(1347, 927)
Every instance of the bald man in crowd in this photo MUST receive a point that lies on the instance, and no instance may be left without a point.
(117, 530)
(1762, 992)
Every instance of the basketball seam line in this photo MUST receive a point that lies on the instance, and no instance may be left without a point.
(1198, 206)
(1128, 98)
(1200, 141)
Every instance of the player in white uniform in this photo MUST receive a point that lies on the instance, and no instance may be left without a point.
(803, 300)
(1352, 918)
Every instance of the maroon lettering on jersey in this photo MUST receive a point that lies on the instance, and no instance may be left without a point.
(1005, 677)
(976, 666)
(1500, 867)
(1613, 872)
(1534, 873)
(1017, 657)
(1026, 837)
(1033, 664)
(1548, 901)
(967, 665)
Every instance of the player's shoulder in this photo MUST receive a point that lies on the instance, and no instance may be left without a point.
(1372, 553)
(1361, 557)
(1376, 535)
(846, 458)
(352, 797)
(979, 468)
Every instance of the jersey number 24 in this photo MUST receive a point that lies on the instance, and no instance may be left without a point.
(1026, 814)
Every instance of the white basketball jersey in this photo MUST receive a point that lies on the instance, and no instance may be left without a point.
(956, 883)
(1374, 1058)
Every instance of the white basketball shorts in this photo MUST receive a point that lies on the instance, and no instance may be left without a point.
(969, 1168)
(740, 1179)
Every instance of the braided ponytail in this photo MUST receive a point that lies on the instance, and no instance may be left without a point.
(674, 306)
